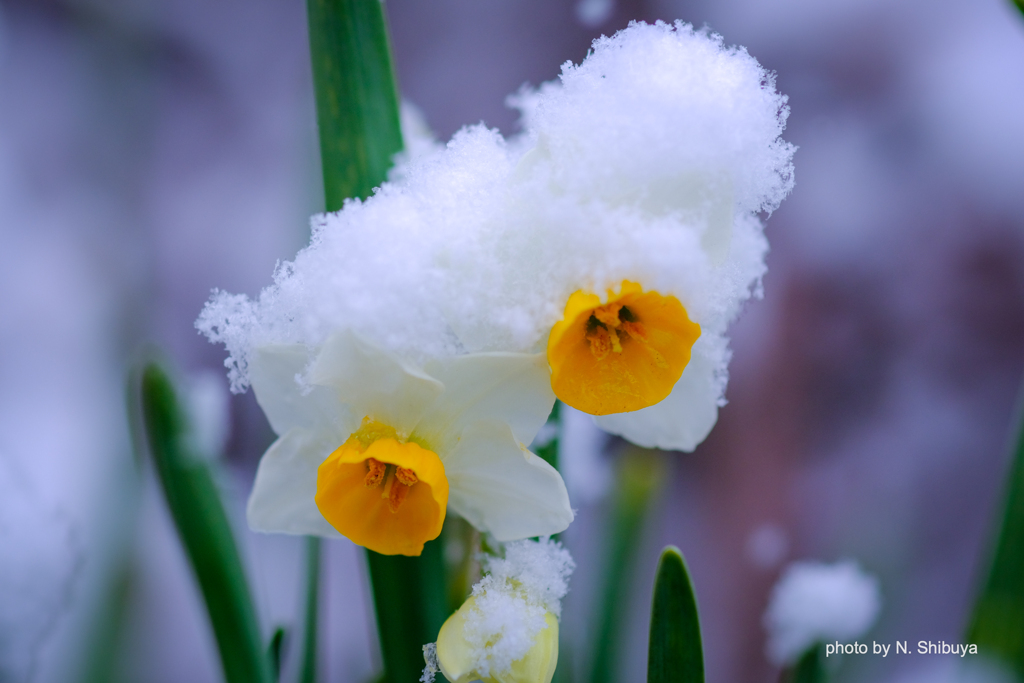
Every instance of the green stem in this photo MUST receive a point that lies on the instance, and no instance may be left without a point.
(640, 475)
(307, 673)
(409, 597)
(199, 516)
(810, 668)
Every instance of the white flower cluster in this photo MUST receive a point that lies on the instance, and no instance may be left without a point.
(648, 162)
(815, 602)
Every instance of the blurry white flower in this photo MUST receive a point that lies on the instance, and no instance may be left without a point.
(815, 602)
(376, 448)
(507, 631)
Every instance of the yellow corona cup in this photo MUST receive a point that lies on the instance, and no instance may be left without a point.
(383, 494)
(621, 354)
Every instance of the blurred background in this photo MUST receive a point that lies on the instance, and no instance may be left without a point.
(150, 152)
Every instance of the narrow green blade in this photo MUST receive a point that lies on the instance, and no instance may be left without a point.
(409, 597)
(1019, 4)
(356, 97)
(810, 668)
(639, 477)
(997, 623)
(674, 654)
(307, 673)
(203, 526)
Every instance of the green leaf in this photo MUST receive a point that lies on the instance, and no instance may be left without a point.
(1019, 4)
(674, 654)
(204, 530)
(409, 597)
(275, 650)
(810, 668)
(997, 623)
(640, 475)
(309, 642)
(356, 97)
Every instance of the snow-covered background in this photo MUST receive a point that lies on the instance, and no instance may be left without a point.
(150, 152)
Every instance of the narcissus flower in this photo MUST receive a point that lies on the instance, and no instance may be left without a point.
(376, 449)
(507, 631)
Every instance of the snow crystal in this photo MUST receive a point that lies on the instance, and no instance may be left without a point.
(815, 602)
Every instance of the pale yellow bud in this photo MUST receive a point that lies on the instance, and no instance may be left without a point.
(458, 659)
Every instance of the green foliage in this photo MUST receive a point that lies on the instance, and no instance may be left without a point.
(997, 623)
(674, 654)
(356, 97)
(275, 652)
(409, 598)
(640, 475)
(307, 674)
(810, 668)
(196, 508)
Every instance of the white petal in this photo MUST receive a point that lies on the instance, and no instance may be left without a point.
(273, 371)
(514, 388)
(282, 498)
(373, 382)
(681, 421)
(501, 487)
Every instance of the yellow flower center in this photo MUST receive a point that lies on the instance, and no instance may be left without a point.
(382, 492)
(622, 355)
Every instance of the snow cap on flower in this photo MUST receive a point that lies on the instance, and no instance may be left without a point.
(644, 169)
(377, 448)
(507, 631)
(815, 602)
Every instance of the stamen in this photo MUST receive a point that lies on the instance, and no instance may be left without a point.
(636, 330)
(616, 345)
(399, 491)
(608, 314)
(375, 471)
(600, 341)
(406, 476)
(396, 489)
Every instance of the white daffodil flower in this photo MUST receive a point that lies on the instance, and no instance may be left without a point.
(374, 448)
